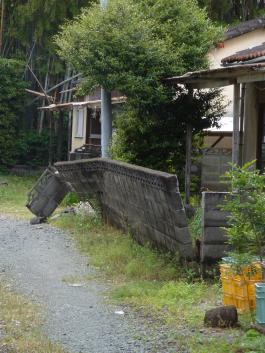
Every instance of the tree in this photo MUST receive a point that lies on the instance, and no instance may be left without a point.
(132, 46)
(233, 10)
(28, 28)
(12, 102)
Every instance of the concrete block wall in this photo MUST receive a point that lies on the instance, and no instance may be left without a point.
(141, 200)
(214, 242)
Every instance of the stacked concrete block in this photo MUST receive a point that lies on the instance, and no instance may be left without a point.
(142, 201)
(214, 242)
(47, 194)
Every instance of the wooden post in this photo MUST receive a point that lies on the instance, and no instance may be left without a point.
(70, 117)
(50, 137)
(60, 134)
(188, 153)
(235, 147)
(188, 163)
(241, 122)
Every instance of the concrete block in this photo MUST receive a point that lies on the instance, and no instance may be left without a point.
(214, 235)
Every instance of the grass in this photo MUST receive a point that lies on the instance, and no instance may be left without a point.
(13, 195)
(160, 285)
(20, 323)
(142, 277)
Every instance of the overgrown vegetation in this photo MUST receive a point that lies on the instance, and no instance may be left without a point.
(157, 285)
(230, 11)
(246, 207)
(142, 277)
(13, 195)
(12, 102)
(20, 325)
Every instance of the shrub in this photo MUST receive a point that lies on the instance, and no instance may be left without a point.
(246, 206)
(32, 148)
(12, 103)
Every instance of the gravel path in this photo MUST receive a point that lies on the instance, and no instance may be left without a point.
(38, 260)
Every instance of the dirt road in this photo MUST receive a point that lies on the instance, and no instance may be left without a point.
(42, 263)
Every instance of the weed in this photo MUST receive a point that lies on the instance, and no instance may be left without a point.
(195, 224)
(21, 323)
(70, 199)
(13, 195)
(143, 277)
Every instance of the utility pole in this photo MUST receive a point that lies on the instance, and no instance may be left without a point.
(106, 114)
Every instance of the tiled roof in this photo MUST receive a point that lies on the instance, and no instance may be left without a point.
(245, 55)
(244, 27)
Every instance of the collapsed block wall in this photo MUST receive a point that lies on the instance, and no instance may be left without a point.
(213, 242)
(141, 200)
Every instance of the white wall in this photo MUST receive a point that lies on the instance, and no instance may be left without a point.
(232, 46)
(78, 141)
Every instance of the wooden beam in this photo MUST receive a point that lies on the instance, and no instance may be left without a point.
(200, 84)
(188, 163)
(188, 151)
(252, 77)
(235, 138)
(39, 94)
(216, 142)
(43, 90)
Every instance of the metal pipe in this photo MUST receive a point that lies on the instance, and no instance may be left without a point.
(106, 114)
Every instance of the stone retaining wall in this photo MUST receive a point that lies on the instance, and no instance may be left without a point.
(143, 201)
(213, 242)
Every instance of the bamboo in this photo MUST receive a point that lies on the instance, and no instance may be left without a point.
(2, 24)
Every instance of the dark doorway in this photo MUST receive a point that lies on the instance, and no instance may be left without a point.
(261, 139)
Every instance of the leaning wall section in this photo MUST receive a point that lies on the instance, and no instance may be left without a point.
(141, 200)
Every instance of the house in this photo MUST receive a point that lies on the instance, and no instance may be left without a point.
(238, 38)
(85, 123)
(243, 46)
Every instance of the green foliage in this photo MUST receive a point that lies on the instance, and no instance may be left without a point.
(246, 206)
(144, 277)
(33, 23)
(12, 102)
(13, 195)
(32, 148)
(195, 224)
(156, 138)
(233, 10)
(70, 199)
(131, 46)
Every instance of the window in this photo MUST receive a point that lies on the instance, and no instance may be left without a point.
(79, 114)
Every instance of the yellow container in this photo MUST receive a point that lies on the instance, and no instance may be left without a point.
(239, 290)
(228, 299)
